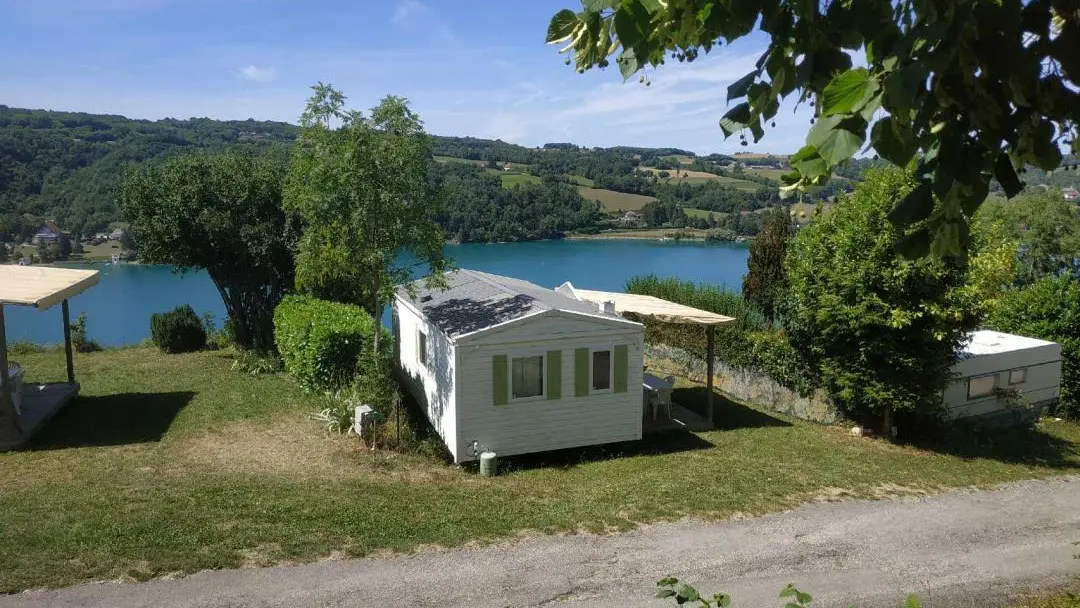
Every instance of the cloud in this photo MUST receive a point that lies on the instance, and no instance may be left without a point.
(417, 17)
(256, 74)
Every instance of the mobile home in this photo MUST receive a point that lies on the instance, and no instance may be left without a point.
(1004, 378)
(504, 365)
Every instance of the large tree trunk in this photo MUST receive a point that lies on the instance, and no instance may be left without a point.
(887, 423)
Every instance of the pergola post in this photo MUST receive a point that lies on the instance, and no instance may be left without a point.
(67, 342)
(7, 402)
(711, 354)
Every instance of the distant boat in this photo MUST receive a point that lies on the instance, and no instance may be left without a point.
(116, 258)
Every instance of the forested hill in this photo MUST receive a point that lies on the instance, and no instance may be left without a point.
(63, 167)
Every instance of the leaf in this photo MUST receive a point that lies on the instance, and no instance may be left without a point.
(627, 28)
(562, 26)
(735, 119)
(664, 594)
(686, 591)
(914, 208)
(845, 91)
(1006, 176)
(740, 87)
(912, 601)
(597, 5)
(788, 591)
(803, 598)
(915, 245)
(893, 141)
(628, 63)
(668, 580)
(836, 138)
(722, 600)
(808, 162)
(652, 5)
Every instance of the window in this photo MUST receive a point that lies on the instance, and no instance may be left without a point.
(421, 348)
(601, 370)
(526, 377)
(1018, 376)
(981, 386)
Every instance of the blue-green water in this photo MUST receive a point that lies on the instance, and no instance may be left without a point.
(118, 309)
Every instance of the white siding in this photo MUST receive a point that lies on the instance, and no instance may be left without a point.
(543, 424)
(433, 385)
(1043, 380)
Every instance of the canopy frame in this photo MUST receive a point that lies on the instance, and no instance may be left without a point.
(664, 311)
(41, 288)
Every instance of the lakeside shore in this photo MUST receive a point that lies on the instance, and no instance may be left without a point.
(658, 234)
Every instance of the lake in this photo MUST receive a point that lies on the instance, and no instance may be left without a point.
(118, 309)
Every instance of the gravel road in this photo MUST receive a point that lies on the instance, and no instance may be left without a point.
(964, 548)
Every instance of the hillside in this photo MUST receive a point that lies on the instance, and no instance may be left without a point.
(63, 167)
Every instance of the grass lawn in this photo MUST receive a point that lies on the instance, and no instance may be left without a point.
(175, 463)
(615, 201)
(769, 173)
(581, 181)
(703, 213)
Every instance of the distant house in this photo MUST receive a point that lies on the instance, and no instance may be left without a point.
(1071, 194)
(116, 235)
(48, 234)
(504, 365)
(24, 261)
(507, 167)
(630, 219)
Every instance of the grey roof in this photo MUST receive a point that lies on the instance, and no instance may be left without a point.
(477, 300)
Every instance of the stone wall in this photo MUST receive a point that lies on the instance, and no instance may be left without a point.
(743, 385)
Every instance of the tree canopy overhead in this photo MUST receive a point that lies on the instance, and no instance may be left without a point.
(972, 90)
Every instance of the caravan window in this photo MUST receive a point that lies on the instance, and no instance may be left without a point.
(1018, 376)
(421, 348)
(601, 370)
(527, 377)
(983, 386)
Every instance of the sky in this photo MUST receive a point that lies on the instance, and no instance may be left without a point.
(468, 67)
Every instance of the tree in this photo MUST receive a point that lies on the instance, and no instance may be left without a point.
(1046, 227)
(972, 89)
(882, 332)
(63, 247)
(765, 280)
(1049, 309)
(363, 186)
(221, 213)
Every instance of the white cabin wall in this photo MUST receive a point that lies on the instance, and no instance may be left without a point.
(433, 386)
(1043, 383)
(541, 425)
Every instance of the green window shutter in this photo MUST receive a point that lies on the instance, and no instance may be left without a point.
(499, 379)
(554, 374)
(622, 368)
(581, 372)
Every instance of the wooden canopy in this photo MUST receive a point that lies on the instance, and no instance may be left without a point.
(42, 287)
(661, 310)
(649, 306)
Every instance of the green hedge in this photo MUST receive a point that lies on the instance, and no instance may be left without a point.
(178, 331)
(1049, 310)
(320, 341)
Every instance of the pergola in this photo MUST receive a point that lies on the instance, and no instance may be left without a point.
(41, 288)
(663, 311)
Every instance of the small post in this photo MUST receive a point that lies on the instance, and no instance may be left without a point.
(67, 342)
(7, 402)
(711, 353)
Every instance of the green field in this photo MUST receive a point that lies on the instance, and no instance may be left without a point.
(769, 173)
(176, 463)
(615, 201)
(703, 213)
(513, 178)
(581, 181)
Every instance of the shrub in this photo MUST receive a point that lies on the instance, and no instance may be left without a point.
(882, 331)
(178, 331)
(79, 340)
(1048, 309)
(320, 341)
